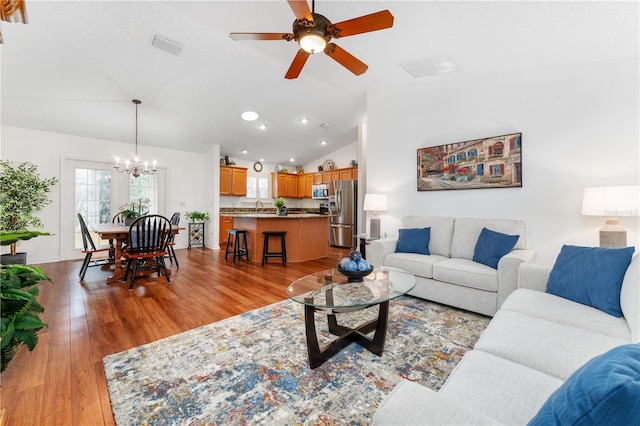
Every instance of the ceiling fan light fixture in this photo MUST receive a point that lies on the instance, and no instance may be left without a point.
(312, 43)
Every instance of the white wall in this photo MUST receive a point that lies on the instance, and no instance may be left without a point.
(186, 178)
(580, 128)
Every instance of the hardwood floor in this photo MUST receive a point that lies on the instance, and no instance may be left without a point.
(62, 381)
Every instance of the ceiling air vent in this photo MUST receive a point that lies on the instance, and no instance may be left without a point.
(440, 64)
(167, 45)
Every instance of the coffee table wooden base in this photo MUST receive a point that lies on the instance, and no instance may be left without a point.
(346, 335)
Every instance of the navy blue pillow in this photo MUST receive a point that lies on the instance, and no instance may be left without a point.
(492, 245)
(413, 240)
(604, 391)
(591, 276)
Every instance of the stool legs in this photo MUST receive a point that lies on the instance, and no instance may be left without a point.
(283, 247)
(236, 250)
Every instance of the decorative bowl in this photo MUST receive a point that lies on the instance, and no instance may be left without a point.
(355, 276)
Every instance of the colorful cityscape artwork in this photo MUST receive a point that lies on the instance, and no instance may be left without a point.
(494, 162)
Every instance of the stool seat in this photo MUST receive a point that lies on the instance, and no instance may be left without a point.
(236, 250)
(266, 254)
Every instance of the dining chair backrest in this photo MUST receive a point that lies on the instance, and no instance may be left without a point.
(149, 234)
(175, 219)
(118, 218)
(87, 241)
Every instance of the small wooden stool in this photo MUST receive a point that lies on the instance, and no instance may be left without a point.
(283, 247)
(237, 250)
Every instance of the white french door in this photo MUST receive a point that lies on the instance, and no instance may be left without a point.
(95, 190)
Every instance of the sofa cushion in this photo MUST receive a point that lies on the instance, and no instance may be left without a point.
(466, 233)
(413, 240)
(416, 264)
(606, 390)
(441, 231)
(557, 309)
(492, 245)
(630, 297)
(506, 391)
(591, 276)
(554, 348)
(466, 273)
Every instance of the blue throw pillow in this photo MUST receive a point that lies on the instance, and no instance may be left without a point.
(413, 240)
(604, 391)
(492, 245)
(591, 276)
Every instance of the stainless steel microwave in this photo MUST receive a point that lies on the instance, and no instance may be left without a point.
(320, 192)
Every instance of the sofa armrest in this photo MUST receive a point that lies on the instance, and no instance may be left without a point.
(378, 249)
(412, 404)
(508, 267)
(533, 276)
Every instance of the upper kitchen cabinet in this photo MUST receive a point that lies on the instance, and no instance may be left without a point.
(284, 185)
(305, 185)
(233, 180)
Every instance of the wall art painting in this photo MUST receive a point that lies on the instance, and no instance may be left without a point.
(494, 162)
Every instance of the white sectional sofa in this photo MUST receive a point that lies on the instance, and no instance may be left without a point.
(448, 274)
(532, 345)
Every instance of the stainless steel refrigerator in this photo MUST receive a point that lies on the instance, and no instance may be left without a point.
(342, 213)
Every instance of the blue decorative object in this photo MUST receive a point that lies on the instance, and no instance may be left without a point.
(492, 245)
(413, 240)
(355, 256)
(591, 276)
(604, 391)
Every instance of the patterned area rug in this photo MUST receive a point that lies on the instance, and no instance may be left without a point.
(253, 368)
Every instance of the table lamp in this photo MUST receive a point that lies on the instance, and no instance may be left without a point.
(375, 203)
(612, 202)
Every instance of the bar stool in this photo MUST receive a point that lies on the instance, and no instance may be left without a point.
(237, 250)
(283, 247)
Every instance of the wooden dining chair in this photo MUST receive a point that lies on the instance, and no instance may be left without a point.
(175, 222)
(148, 242)
(90, 249)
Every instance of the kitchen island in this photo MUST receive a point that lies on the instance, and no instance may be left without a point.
(307, 234)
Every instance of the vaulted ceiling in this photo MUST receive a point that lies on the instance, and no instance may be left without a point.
(77, 65)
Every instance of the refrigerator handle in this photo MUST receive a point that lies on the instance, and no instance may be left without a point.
(339, 200)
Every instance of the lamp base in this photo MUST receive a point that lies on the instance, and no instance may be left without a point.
(374, 228)
(613, 235)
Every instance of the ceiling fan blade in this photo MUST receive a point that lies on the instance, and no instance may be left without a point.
(300, 9)
(261, 36)
(297, 64)
(345, 59)
(364, 24)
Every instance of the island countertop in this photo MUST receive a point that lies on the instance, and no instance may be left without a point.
(307, 235)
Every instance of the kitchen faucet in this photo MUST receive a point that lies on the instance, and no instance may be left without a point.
(261, 206)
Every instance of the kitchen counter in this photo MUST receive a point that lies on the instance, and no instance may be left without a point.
(307, 234)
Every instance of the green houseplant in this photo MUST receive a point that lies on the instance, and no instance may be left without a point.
(23, 193)
(19, 317)
(196, 216)
(134, 209)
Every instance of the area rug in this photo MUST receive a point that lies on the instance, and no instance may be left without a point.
(253, 368)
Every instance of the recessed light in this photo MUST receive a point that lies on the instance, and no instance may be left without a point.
(262, 159)
(249, 116)
(244, 151)
(262, 126)
(323, 142)
(304, 120)
(292, 159)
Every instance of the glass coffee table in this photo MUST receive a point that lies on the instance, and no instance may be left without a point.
(331, 293)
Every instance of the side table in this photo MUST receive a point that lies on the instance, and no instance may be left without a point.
(364, 240)
(196, 234)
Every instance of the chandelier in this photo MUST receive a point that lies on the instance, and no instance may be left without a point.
(135, 166)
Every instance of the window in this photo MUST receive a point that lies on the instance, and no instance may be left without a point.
(92, 199)
(257, 187)
(144, 187)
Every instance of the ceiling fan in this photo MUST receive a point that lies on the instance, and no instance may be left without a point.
(313, 32)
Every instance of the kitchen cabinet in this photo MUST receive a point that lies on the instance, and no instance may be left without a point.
(348, 174)
(284, 185)
(335, 175)
(326, 177)
(305, 184)
(317, 178)
(233, 181)
(226, 223)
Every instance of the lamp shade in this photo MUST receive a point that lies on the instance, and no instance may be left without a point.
(611, 201)
(375, 202)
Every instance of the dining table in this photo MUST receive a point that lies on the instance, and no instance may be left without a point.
(119, 233)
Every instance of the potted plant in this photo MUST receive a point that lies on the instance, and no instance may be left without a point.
(134, 209)
(196, 216)
(23, 194)
(281, 209)
(19, 309)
